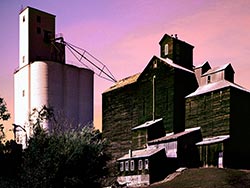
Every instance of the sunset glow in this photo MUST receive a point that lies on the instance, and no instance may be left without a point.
(125, 34)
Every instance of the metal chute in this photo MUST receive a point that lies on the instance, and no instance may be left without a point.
(99, 68)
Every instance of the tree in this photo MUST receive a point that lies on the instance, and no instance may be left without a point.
(10, 153)
(4, 116)
(63, 158)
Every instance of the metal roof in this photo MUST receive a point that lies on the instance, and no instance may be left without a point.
(213, 86)
(124, 82)
(213, 140)
(172, 136)
(201, 65)
(147, 124)
(217, 69)
(172, 64)
(141, 153)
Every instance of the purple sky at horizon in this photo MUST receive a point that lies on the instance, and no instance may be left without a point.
(124, 35)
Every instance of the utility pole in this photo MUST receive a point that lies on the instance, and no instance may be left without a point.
(154, 97)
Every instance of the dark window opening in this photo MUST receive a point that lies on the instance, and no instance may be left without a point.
(47, 36)
(127, 165)
(38, 30)
(140, 165)
(208, 79)
(132, 165)
(121, 166)
(38, 19)
(23, 18)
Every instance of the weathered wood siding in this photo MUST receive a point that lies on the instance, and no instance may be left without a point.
(140, 137)
(131, 105)
(120, 114)
(210, 111)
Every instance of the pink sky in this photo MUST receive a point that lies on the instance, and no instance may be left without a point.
(124, 35)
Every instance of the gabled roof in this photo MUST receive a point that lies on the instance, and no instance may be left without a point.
(201, 65)
(217, 69)
(141, 153)
(166, 61)
(147, 124)
(174, 38)
(171, 136)
(213, 86)
(172, 64)
(132, 79)
(123, 82)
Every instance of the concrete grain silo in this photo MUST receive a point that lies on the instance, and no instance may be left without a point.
(43, 77)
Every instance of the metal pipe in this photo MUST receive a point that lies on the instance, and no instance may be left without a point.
(154, 97)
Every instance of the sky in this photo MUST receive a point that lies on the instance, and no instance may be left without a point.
(125, 35)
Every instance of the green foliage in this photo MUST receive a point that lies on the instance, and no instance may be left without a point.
(60, 157)
(10, 162)
(63, 158)
(4, 116)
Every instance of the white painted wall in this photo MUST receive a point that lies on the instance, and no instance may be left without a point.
(23, 38)
(39, 81)
(66, 88)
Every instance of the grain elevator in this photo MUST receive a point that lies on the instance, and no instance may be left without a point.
(44, 78)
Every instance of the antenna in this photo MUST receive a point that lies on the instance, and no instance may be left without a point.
(99, 68)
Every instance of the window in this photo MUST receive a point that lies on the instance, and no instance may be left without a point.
(155, 64)
(146, 164)
(47, 36)
(166, 49)
(208, 79)
(171, 149)
(132, 165)
(126, 165)
(38, 19)
(38, 30)
(23, 93)
(140, 165)
(23, 18)
(121, 166)
(23, 59)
